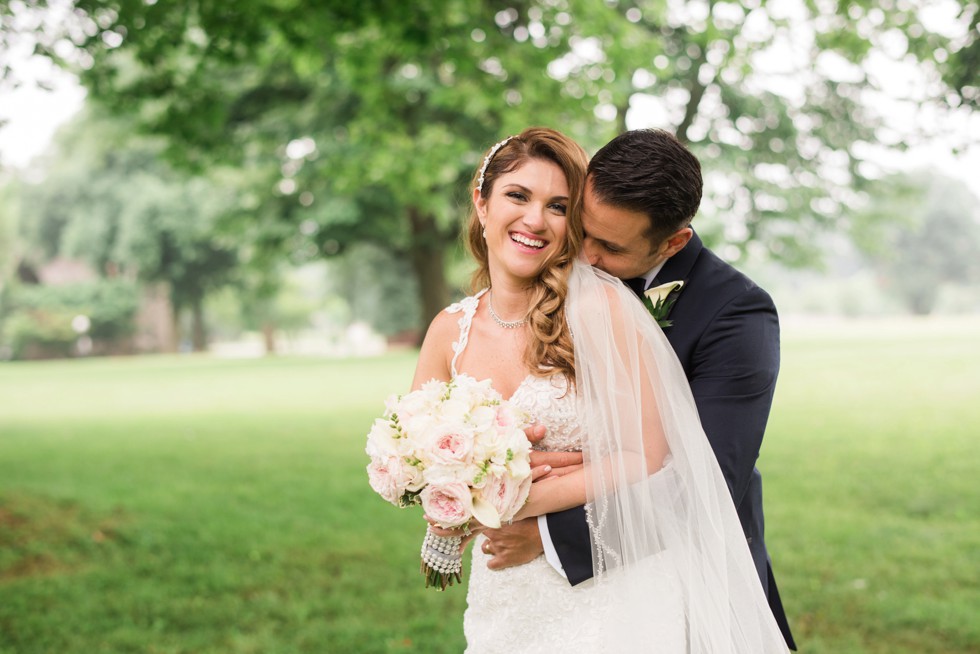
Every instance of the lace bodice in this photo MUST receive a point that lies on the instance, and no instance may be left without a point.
(548, 400)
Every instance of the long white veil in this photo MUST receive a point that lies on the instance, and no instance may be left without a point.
(655, 491)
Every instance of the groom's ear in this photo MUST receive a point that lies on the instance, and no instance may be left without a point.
(676, 242)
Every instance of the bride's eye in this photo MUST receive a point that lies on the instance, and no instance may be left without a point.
(516, 195)
(558, 208)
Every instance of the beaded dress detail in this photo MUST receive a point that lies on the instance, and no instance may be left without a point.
(532, 608)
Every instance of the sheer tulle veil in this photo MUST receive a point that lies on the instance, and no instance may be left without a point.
(658, 506)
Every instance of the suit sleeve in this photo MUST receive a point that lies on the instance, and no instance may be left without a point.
(733, 378)
(570, 536)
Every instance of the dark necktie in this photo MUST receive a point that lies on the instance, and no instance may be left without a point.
(637, 285)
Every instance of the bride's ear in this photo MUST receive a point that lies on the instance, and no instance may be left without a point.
(480, 205)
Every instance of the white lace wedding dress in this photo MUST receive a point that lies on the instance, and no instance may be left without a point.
(531, 608)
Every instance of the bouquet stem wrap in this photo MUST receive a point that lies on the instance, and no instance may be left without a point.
(442, 560)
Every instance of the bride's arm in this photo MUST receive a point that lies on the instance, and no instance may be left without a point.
(553, 495)
(629, 461)
(435, 355)
(556, 494)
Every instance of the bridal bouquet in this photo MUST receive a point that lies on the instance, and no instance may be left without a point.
(457, 449)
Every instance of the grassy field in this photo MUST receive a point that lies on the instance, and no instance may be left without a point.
(199, 505)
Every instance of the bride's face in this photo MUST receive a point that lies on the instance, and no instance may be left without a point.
(524, 218)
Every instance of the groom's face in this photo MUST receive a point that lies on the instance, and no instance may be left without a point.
(616, 239)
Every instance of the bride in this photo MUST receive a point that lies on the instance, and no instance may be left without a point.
(574, 348)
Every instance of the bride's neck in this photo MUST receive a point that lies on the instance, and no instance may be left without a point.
(510, 301)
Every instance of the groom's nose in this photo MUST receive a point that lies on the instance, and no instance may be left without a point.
(591, 252)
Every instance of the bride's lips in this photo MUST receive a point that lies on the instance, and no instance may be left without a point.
(527, 242)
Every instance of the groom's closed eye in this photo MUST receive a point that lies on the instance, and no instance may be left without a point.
(606, 245)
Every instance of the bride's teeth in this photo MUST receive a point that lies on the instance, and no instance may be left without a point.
(534, 243)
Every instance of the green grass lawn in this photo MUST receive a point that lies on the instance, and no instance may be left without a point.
(201, 505)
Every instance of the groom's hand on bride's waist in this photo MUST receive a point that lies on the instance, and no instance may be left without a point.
(513, 544)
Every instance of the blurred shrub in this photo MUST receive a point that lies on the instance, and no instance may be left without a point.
(38, 319)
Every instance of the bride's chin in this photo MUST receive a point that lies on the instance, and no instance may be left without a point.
(527, 270)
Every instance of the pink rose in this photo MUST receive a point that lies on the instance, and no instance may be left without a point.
(449, 505)
(506, 494)
(505, 417)
(391, 476)
(382, 481)
(452, 447)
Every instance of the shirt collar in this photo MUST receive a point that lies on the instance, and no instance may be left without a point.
(651, 274)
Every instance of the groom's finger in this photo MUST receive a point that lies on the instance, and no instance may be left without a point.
(514, 544)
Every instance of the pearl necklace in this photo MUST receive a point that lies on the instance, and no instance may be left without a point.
(506, 324)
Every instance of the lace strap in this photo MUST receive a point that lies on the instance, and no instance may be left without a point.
(468, 306)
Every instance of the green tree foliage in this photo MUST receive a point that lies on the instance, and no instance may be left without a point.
(357, 123)
(921, 231)
(39, 319)
(362, 122)
(108, 199)
(777, 99)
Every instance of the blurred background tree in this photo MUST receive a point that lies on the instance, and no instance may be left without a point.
(108, 199)
(921, 231)
(344, 126)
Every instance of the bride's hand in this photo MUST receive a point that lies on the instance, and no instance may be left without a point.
(559, 464)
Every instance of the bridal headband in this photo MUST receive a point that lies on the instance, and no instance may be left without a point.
(486, 162)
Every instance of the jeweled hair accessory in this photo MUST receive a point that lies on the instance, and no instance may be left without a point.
(486, 162)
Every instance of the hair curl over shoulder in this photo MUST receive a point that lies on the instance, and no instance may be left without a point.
(549, 348)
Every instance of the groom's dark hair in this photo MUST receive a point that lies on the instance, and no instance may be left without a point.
(649, 171)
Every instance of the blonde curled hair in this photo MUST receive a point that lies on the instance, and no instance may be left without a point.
(549, 349)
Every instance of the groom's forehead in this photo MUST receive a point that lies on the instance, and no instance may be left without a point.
(611, 223)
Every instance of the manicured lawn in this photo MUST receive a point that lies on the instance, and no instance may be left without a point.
(202, 505)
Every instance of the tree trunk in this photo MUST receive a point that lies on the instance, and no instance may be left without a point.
(175, 330)
(696, 89)
(621, 111)
(428, 254)
(199, 337)
(269, 337)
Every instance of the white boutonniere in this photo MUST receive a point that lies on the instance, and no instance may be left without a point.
(659, 302)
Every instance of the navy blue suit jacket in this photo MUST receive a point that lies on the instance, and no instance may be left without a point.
(726, 334)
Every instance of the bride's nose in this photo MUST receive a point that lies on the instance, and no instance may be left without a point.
(533, 218)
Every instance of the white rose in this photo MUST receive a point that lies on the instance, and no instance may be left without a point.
(382, 440)
(454, 409)
(483, 417)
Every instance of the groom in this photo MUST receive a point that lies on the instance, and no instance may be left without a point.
(643, 189)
